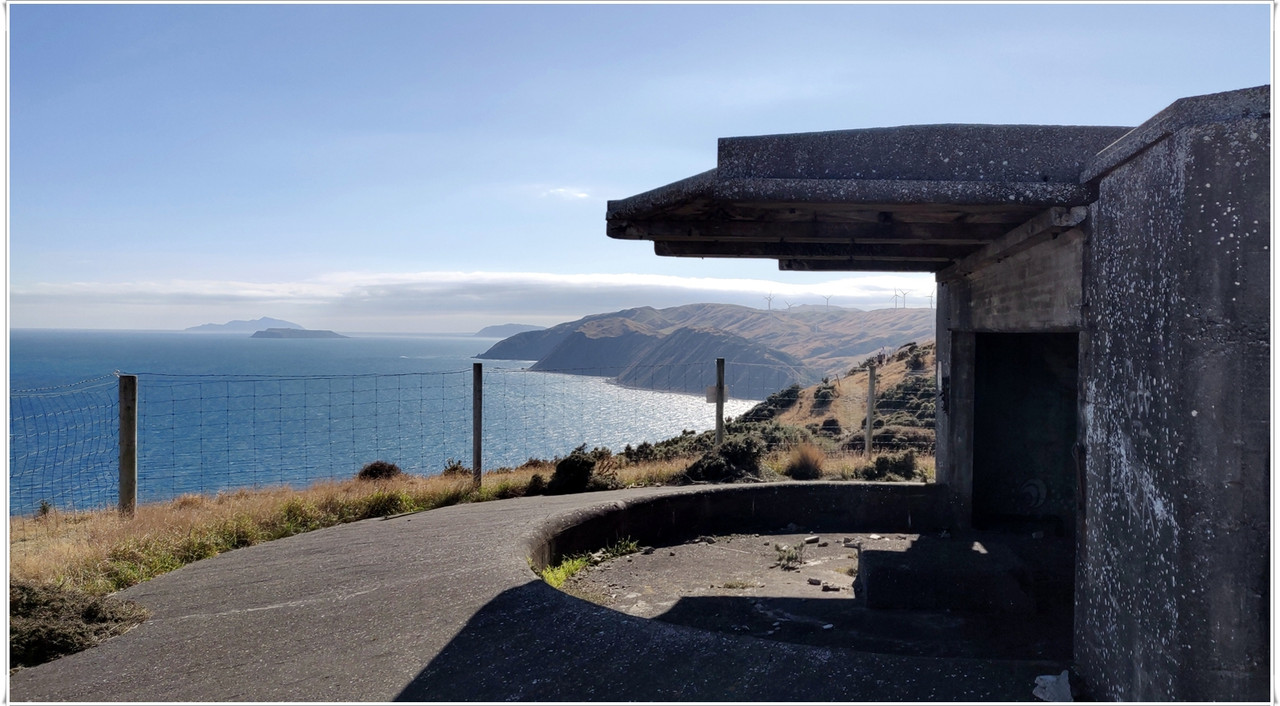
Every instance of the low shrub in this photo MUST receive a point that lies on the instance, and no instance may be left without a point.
(824, 394)
(454, 468)
(379, 470)
(537, 485)
(573, 473)
(642, 453)
(893, 466)
(773, 405)
(738, 458)
(790, 558)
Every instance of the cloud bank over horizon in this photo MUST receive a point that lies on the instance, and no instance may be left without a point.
(426, 302)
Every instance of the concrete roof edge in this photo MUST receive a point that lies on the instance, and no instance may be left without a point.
(1183, 113)
(664, 196)
(896, 191)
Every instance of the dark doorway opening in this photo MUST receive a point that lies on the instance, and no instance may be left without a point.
(1025, 411)
(1024, 471)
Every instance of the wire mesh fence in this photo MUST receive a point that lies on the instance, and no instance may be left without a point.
(206, 433)
(200, 434)
(63, 448)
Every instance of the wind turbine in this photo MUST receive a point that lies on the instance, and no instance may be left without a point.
(904, 293)
(828, 298)
(769, 298)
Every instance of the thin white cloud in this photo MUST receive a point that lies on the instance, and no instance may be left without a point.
(567, 193)
(424, 301)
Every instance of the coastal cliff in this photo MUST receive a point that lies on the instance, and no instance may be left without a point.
(675, 349)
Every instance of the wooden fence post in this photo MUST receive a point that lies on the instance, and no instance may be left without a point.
(719, 401)
(871, 406)
(477, 419)
(128, 444)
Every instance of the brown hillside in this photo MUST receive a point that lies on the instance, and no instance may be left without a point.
(849, 408)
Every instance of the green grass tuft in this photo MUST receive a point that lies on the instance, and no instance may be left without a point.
(558, 574)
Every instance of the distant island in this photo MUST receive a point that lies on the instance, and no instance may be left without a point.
(504, 330)
(242, 326)
(296, 333)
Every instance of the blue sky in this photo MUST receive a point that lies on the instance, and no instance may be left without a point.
(445, 167)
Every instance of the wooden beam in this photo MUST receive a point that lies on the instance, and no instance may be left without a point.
(859, 265)
(811, 251)
(1042, 228)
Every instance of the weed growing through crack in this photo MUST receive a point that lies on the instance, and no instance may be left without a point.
(739, 584)
(557, 574)
(789, 558)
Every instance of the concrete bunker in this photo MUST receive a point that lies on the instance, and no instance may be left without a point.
(1103, 332)
(975, 594)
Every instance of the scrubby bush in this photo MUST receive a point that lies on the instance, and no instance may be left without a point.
(537, 485)
(643, 453)
(805, 463)
(573, 472)
(830, 427)
(738, 458)
(916, 362)
(824, 394)
(773, 405)
(893, 466)
(453, 468)
(379, 470)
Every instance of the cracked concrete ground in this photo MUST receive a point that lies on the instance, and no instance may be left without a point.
(734, 584)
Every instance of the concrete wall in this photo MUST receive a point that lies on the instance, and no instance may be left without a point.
(1172, 576)
(815, 506)
(1036, 290)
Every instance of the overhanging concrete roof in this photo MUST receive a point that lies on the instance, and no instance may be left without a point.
(913, 198)
(917, 198)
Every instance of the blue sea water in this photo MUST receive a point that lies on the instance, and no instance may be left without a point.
(219, 411)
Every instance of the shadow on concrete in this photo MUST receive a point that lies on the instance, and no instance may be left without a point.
(849, 624)
(534, 643)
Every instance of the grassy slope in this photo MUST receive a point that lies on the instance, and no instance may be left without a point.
(850, 407)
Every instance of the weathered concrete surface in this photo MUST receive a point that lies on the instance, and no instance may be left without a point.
(442, 606)
(1173, 581)
(958, 152)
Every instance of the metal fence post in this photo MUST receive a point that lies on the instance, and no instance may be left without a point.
(871, 406)
(128, 444)
(477, 419)
(719, 400)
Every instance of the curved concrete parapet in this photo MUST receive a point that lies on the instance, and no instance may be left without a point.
(672, 518)
(443, 606)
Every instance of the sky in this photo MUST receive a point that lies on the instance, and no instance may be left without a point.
(440, 168)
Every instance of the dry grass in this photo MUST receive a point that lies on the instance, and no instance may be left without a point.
(805, 462)
(60, 562)
(100, 552)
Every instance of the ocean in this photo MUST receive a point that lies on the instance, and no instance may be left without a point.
(220, 411)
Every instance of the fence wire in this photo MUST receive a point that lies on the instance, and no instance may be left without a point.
(200, 434)
(207, 433)
(63, 449)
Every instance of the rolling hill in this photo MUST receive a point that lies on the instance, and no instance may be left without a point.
(802, 344)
